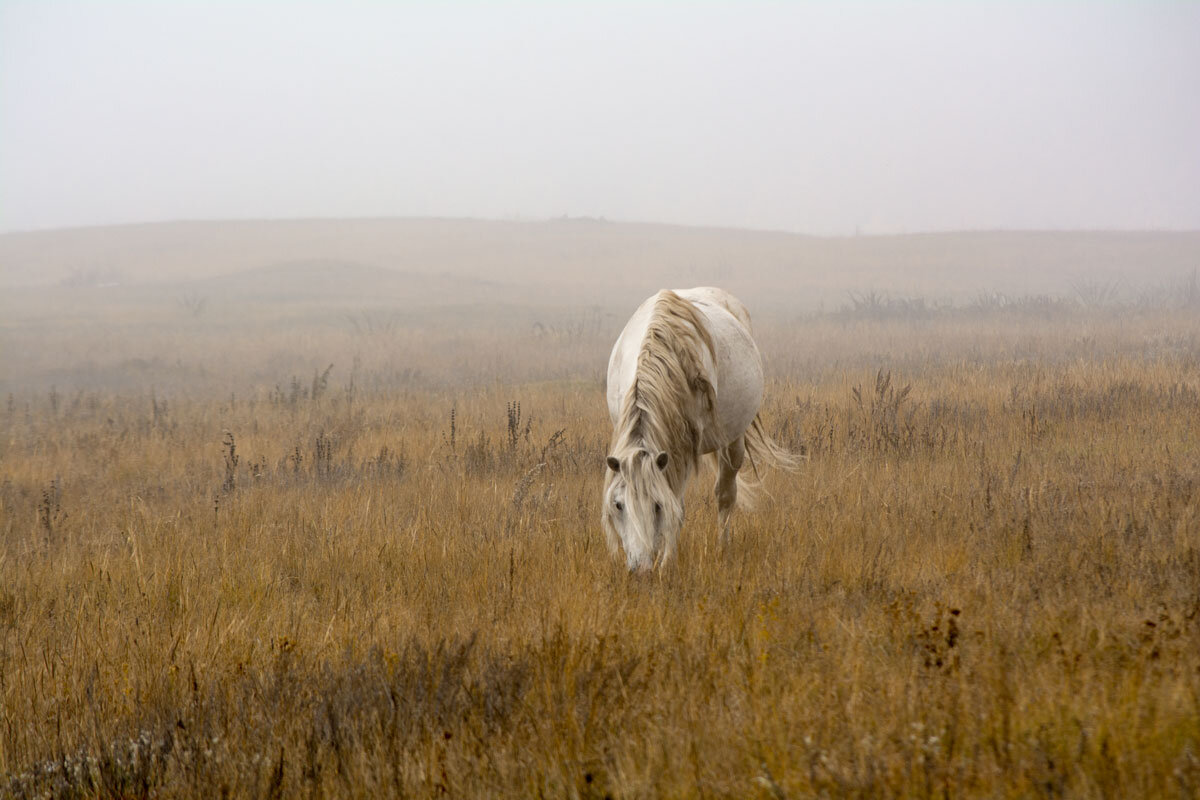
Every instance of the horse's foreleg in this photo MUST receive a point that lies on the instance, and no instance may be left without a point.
(666, 554)
(729, 460)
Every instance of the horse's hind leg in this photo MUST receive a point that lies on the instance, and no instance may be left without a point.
(729, 460)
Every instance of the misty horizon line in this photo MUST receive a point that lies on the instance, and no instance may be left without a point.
(599, 220)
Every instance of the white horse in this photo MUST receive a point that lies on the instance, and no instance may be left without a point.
(685, 380)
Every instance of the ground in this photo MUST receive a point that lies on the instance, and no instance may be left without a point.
(231, 568)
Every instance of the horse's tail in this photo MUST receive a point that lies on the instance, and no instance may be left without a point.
(762, 453)
(765, 452)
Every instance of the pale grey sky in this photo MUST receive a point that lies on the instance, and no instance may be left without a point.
(812, 117)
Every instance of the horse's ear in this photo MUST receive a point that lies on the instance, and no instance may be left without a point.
(662, 460)
(613, 464)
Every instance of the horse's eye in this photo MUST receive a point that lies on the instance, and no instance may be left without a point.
(620, 506)
(658, 508)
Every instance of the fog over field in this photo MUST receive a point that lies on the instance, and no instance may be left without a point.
(224, 164)
(83, 305)
(235, 159)
(820, 118)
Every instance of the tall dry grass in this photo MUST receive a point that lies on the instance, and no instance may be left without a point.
(984, 581)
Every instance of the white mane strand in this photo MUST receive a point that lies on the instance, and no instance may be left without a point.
(659, 412)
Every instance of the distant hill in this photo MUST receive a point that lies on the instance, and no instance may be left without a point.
(333, 280)
(582, 261)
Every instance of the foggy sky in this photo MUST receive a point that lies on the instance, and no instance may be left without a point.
(816, 118)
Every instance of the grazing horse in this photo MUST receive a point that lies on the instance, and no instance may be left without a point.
(685, 380)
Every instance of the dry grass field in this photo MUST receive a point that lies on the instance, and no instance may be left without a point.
(227, 569)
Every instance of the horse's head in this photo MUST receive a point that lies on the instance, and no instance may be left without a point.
(641, 511)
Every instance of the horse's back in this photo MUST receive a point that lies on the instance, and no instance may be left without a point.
(719, 298)
(735, 365)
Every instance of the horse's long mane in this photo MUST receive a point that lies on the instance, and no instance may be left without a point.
(659, 410)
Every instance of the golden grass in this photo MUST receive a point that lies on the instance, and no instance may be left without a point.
(988, 585)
